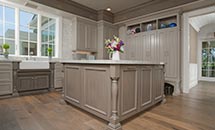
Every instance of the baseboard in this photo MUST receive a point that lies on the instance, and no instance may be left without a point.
(193, 83)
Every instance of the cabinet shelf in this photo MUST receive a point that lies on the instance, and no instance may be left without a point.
(156, 24)
(148, 26)
(134, 29)
(167, 22)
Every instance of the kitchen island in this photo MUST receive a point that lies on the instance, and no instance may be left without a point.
(113, 90)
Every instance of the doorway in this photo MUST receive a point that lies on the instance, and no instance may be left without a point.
(203, 68)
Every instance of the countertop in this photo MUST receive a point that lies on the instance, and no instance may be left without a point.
(115, 62)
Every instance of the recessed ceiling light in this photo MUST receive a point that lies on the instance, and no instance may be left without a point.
(108, 9)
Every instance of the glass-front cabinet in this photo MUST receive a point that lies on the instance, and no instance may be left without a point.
(208, 59)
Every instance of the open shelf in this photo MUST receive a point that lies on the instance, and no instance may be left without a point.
(148, 26)
(134, 29)
(156, 24)
(167, 22)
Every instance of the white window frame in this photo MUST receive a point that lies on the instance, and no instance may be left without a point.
(17, 8)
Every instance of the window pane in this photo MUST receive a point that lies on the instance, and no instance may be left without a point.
(204, 44)
(52, 28)
(1, 13)
(12, 46)
(44, 51)
(1, 30)
(23, 33)
(44, 23)
(33, 34)
(44, 35)
(9, 14)
(10, 31)
(53, 48)
(33, 48)
(23, 48)
(51, 36)
(28, 19)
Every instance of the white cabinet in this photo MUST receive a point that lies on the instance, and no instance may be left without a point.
(84, 35)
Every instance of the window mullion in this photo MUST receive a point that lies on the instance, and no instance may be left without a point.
(39, 35)
(17, 50)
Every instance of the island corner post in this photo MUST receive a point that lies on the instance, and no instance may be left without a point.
(114, 123)
(124, 89)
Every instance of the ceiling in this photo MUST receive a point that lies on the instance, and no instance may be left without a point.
(199, 21)
(115, 5)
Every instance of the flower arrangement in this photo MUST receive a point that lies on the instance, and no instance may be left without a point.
(114, 45)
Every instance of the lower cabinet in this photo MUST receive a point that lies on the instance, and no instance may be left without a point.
(140, 88)
(90, 87)
(145, 91)
(28, 80)
(6, 78)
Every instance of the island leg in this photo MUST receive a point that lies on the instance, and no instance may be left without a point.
(114, 123)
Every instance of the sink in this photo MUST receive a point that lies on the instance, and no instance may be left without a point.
(34, 65)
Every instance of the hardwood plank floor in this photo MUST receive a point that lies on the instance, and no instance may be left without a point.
(194, 111)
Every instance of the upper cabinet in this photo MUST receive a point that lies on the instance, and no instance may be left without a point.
(84, 35)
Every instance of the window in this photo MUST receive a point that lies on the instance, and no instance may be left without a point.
(7, 27)
(208, 59)
(48, 35)
(27, 32)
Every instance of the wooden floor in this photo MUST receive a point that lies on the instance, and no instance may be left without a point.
(194, 111)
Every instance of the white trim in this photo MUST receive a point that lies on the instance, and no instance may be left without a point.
(17, 50)
(39, 35)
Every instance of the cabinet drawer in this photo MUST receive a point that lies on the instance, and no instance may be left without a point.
(5, 88)
(5, 66)
(5, 76)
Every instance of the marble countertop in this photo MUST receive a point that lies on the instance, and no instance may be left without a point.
(127, 62)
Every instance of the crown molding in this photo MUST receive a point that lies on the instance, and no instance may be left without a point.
(71, 7)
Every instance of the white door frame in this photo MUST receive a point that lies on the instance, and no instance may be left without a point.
(186, 45)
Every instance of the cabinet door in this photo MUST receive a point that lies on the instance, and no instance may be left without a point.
(81, 36)
(25, 83)
(96, 82)
(145, 87)
(129, 90)
(72, 84)
(133, 44)
(162, 41)
(172, 53)
(158, 84)
(41, 82)
(91, 38)
(169, 50)
(139, 47)
(149, 46)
